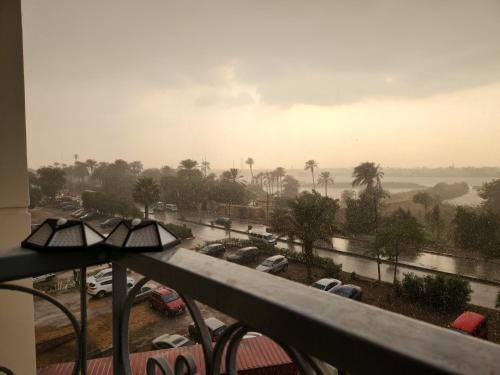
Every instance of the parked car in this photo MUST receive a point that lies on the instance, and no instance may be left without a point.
(326, 284)
(348, 290)
(214, 250)
(105, 272)
(78, 212)
(224, 221)
(111, 222)
(274, 264)
(244, 255)
(215, 327)
(166, 301)
(171, 207)
(104, 285)
(471, 323)
(266, 238)
(171, 341)
(88, 216)
(42, 278)
(69, 207)
(145, 292)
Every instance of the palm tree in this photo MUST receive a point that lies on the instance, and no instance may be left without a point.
(205, 167)
(309, 217)
(325, 179)
(371, 175)
(311, 165)
(91, 165)
(280, 173)
(250, 163)
(188, 164)
(146, 191)
(233, 175)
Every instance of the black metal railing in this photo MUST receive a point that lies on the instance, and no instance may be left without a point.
(313, 327)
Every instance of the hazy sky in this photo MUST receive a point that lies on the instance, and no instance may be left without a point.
(402, 83)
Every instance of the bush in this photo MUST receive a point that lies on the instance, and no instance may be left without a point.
(448, 293)
(180, 231)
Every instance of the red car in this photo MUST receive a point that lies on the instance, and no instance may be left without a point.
(166, 301)
(471, 323)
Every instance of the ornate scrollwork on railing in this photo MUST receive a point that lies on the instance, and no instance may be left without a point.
(6, 371)
(225, 349)
(60, 306)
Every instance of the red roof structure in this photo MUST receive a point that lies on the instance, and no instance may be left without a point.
(468, 321)
(256, 356)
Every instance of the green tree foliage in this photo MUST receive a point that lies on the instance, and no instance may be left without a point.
(109, 204)
(311, 165)
(423, 198)
(360, 214)
(490, 192)
(436, 222)
(445, 293)
(309, 217)
(477, 230)
(51, 181)
(325, 178)
(291, 187)
(146, 192)
(399, 234)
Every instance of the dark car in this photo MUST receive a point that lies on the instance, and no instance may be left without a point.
(244, 255)
(166, 301)
(215, 328)
(69, 207)
(214, 250)
(348, 290)
(471, 323)
(110, 223)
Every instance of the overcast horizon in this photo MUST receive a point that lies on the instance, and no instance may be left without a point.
(403, 84)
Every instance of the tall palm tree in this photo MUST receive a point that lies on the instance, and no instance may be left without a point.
(367, 174)
(205, 167)
(371, 175)
(91, 165)
(280, 173)
(325, 179)
(250, 163)
(233, 175)
(188, 164)
(147, 192)
(311, 165)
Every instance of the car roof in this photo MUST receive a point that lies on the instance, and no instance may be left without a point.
(163, 290)
(468, 321)
(214, 323)
(248, 248)
(326, 281)
(169, 338)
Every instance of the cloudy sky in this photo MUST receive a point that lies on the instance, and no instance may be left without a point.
(402, 83)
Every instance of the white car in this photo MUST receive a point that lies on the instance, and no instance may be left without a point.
(266, 238)
(104, 285)
(171, 341)
(326, 284)
(274, 264)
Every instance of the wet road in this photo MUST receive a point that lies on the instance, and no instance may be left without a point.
(483, 294)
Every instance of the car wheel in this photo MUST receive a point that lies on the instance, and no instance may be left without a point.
(101, 294)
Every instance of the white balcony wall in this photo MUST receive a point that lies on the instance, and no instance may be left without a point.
(17, 341)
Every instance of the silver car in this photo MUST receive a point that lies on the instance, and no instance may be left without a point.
(274, 264)
(171, 341)
(326, 284)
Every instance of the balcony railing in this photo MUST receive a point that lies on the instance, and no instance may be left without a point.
(314, 328)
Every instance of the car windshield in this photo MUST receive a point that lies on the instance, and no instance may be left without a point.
(170, 297)
(267, 263)
(219, 330)
(178, 340)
